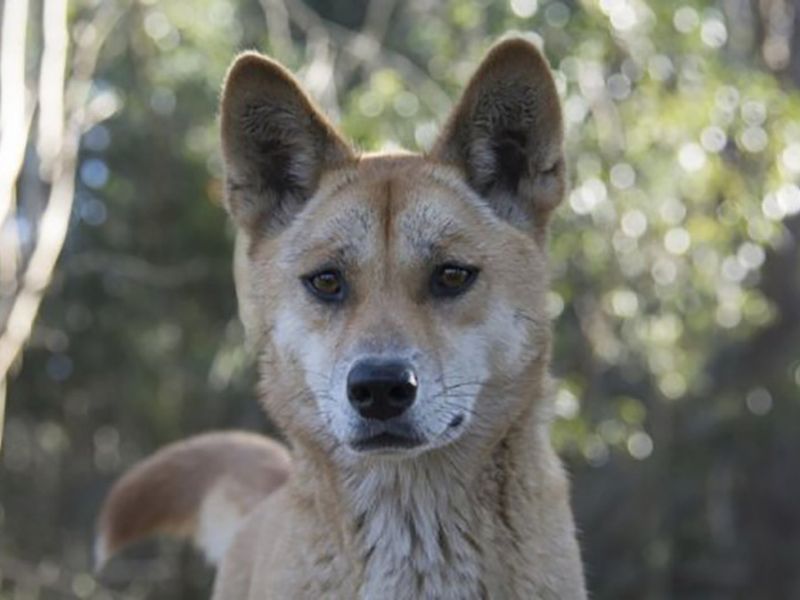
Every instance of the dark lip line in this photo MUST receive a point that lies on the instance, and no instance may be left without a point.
(387, 441)
(392, 439)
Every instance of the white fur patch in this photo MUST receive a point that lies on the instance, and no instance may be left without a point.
(292, 337)
(415, 533)
(510, 338)
(100, 551)
(249, 308)
(219, 519)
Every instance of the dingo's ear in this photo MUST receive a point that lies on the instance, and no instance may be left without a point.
(506, 134)
(275, 143)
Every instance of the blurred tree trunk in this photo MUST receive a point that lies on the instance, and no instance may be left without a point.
(761, 502)
(794, 61)
(778, 31)
(15, 114)
(66, 107)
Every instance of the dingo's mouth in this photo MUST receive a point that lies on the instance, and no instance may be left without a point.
(386, 441)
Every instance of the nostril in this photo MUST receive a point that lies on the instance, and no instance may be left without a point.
(360, 394)
(402, 393)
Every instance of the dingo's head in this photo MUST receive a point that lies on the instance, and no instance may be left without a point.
(397, 300)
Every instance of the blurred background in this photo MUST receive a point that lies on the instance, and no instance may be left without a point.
(676, 299)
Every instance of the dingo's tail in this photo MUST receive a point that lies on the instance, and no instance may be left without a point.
(201, 488)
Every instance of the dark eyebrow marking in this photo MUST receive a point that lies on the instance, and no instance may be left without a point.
(337, 254)
(427, 232)
(339, 238)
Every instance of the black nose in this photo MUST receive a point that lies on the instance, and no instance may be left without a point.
(381, 390)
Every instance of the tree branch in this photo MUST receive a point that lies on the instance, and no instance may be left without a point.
(51, 88)
(59, 161)
(366, 49)
(13, 110)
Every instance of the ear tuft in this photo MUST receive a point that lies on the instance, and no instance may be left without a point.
(506, 134)
(276, 143)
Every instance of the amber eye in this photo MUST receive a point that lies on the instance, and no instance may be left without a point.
(451, 280)
(326, 285)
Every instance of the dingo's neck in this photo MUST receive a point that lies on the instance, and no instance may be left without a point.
(416, 529)
(434, 525)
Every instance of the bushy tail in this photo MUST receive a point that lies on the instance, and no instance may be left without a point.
(201, 488)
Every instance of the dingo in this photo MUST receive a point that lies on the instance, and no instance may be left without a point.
(397, 303)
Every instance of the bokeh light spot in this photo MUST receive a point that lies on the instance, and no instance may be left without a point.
(163, 101)
(713, 139)
(157, 25)
(790, 157)
(622, 176)
(751, 255)
(753, 139)
(728, 315)
(672, 385)
(94, 173)
(406, 104)
(714, 33)
(759, 401)
(524, 8)
(733, 270)
(93, 211)
(634, 223)
(788, 199)
(686, 19)
(677, 240)
(83, 585)
(557, 14)
(595, 450)
(692, 157)
(640, 445)
(566, 404)
(59, 367)
(664, 271)
(624, 303)
(554, 304)
(97, 139)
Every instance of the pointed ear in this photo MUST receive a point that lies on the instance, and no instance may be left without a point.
(275, 144)
(506, 134)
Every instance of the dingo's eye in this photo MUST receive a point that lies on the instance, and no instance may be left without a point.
(326, 285)
(451, 280)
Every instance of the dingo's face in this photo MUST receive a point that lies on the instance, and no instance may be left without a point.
(400, 296)
(397, 299)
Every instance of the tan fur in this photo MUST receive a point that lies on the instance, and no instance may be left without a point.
(166, 493)
(481, 508)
